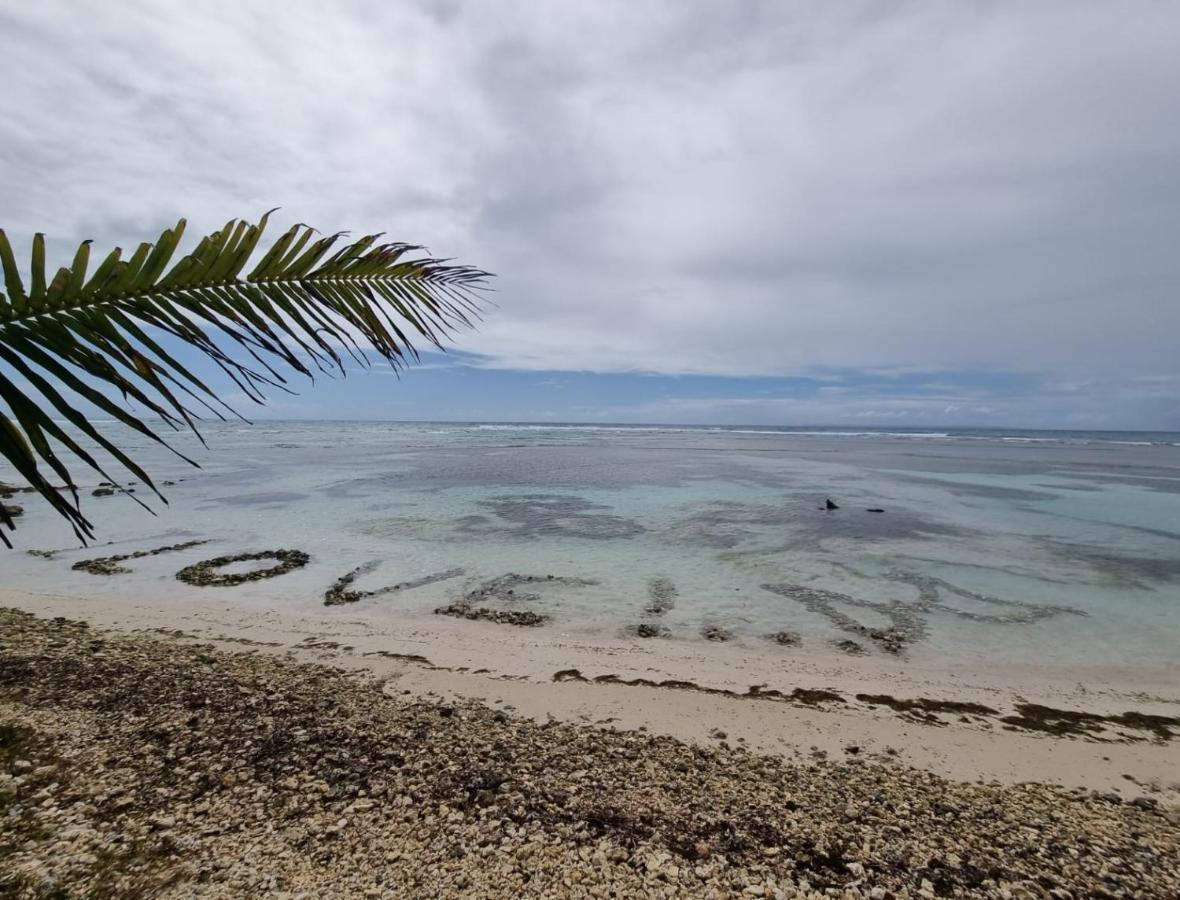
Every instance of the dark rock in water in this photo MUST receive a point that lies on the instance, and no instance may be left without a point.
(12, 511)
(874, 509)
(786, 638)
(829, 504)
(716, 633)
(102, 492)
(852, 648)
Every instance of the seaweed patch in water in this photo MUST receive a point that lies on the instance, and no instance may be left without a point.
(109, 565)
(204, 573)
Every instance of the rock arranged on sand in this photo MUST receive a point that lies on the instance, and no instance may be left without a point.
(340, 592)
(852, 648)
(205, 572)
(109, 565)
(132, 766)
(522, 617)
(716, 633)
(651, 630)
(908, 618)
(786, 638)
(506, 588)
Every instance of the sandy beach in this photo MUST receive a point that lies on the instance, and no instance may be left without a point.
(1009, 725)
(183, 765)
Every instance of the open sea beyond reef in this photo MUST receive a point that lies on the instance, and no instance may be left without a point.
(985, 545)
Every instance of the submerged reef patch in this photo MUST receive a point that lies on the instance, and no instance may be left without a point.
(725, 524)
(1122, 568)
(261, 499)
(205, 574)
(534, 515)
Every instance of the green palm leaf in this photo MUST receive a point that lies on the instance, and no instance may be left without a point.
(307, 302)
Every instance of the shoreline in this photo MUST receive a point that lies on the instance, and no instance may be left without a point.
(952, 722)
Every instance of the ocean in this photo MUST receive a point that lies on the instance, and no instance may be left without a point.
(996, 546)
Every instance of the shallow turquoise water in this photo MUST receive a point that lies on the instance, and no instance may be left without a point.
(1029, 546)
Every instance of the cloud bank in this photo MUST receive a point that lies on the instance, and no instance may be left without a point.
(680, 188)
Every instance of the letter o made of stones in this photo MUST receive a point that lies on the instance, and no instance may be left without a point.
(205, 574)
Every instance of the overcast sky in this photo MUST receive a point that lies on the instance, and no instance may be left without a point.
(776, 212)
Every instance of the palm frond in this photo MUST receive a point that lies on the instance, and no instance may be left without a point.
(307, 302)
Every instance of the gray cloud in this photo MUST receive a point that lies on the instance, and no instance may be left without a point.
(681, 187)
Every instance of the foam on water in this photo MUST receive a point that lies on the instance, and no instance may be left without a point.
(1055, 547)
